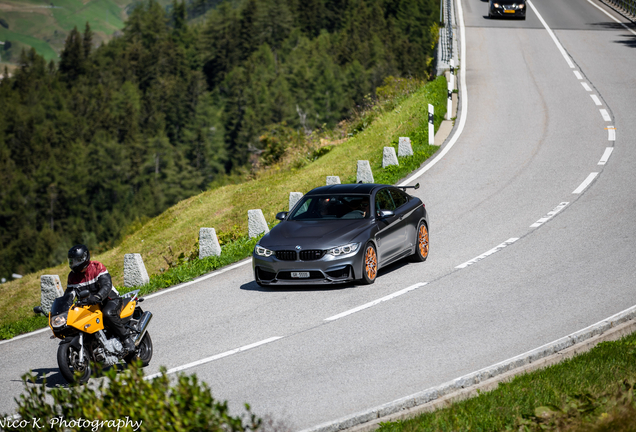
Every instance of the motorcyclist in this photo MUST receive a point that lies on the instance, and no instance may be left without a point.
(94, 277)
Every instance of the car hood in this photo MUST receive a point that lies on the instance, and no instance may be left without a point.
(314, 234)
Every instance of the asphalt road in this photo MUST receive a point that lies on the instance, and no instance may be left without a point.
(533, 135)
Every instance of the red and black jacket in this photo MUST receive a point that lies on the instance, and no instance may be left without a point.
(96, 279)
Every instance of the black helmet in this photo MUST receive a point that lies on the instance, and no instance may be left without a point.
(78, 258)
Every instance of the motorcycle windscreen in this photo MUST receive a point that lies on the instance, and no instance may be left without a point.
(62, 304)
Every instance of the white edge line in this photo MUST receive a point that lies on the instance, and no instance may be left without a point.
(578, 75)
(612, 17)
(435, 393)
(375, 302)
(487, 254)
(606, 155)
(590, 178)
(611, 133)
(42, 330)
(199, 279)
(463, 98)
(553, 36)
(215, 357)
(596, 100)
(586, 86)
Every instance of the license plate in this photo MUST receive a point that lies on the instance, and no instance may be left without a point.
(300, 274)
(509, 11)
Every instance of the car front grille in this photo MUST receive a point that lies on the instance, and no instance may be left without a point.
(286, 255)
(311, 255)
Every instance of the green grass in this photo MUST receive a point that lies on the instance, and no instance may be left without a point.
(592, 392)
(164, 238)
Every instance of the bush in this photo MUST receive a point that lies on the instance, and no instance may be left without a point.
(125, 401)
(4, 23)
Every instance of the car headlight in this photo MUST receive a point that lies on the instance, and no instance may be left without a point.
(521, 6)
(344, 249)
(496, 5)
(58, 321)
(261, 251)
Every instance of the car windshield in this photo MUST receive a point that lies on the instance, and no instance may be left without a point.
(332, 207)
(62, 304)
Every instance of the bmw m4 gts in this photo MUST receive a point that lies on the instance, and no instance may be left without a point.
(342, 233)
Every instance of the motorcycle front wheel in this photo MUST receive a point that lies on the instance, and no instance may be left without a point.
(68, 361)
(143, 353)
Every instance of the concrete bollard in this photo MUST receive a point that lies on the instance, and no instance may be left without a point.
(364, 174)
(294, 197)
(208, 243)
(404, 147)
(332, 180)
(135, 273)
(389, 157)
(256, 223)
(50, 289)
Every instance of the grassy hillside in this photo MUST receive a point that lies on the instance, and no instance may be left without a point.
(225, 208)
(44, 24)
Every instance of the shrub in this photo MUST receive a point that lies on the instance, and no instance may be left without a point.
(125, 401)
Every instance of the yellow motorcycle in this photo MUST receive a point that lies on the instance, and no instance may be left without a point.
(84, 337)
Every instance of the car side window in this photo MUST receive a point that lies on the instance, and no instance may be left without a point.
(399, 198)
(383, 200)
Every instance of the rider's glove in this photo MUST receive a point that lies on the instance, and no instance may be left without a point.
(90, 300)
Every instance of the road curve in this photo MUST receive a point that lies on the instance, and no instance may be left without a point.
(531, 240)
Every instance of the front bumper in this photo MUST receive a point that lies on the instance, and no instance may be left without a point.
(326, 270)
(508, 11)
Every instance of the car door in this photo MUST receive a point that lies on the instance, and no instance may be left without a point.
(388, 236)
(405, 225)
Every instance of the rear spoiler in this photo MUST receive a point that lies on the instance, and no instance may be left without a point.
(404, 188)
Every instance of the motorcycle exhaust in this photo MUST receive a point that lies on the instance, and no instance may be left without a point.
(143, 325)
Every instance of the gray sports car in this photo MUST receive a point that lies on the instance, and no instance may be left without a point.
(342, 233)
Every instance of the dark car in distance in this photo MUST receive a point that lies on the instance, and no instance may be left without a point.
(507, 8)
(342, 233)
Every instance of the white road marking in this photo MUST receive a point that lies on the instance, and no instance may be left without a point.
(550, 215)
(596, 100)
(551, 33)
(375, 302)
(463, 98)
(611, 133)
(606, 155)
(585, 183)
(42, 330)
(608, 14)
(490, 252)
(578, 75)
(605, 115)
(215, 357)
(586, 86)
(197, 280)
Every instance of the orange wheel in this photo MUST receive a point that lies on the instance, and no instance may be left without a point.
(421, 248)
(370, 265)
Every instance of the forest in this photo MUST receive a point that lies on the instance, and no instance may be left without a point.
(112, 135)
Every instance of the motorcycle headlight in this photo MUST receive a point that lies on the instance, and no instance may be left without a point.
(261, 251)
(344, 249)
(58, 321)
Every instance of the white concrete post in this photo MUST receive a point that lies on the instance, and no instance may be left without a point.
(404, 147)
(208, 243)
(50, 289)
(364, 174)
(451, 75)
(135, 273)
(431, 126)
(294, 197)
(389, 157)
(449, 102)
(332, 180)
(256, 223)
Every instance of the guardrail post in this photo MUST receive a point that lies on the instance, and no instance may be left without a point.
(431, 126)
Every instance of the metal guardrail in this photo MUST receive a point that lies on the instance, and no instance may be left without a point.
(627, 6)
(446, 33)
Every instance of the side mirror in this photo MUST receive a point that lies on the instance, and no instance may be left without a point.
(38, 310)
(386, 214)
(281, 216)
(83, 294)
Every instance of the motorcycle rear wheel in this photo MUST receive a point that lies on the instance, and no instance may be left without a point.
(68, 362)
(143, 353)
